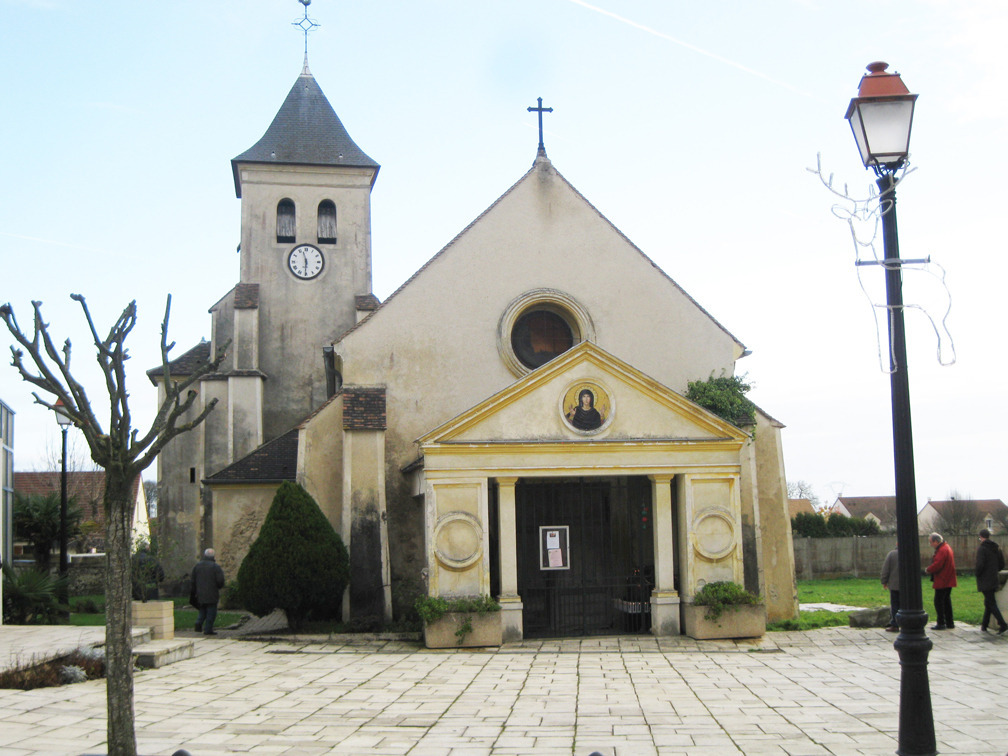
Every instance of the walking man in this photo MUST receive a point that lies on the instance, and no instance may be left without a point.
(943, 575)
(989, 562)
(890, 581)
(207, 580)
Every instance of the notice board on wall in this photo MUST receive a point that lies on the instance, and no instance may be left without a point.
(554, 547)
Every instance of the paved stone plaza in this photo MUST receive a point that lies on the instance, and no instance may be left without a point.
(830, 691)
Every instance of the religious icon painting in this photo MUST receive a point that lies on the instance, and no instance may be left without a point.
(586, 408)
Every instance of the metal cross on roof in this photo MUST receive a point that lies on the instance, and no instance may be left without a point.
(540, 109)
(306, 24)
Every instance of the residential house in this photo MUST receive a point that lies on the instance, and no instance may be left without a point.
(963, 516)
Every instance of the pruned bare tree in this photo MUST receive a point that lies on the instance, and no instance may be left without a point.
(123, 454)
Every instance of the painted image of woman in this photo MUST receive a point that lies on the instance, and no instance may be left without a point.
(584, 416)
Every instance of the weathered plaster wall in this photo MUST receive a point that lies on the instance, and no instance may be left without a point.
(239, 512)
(179, 505)
(320, 461)
(775, 523)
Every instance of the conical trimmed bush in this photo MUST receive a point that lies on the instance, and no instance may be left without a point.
(298, 562)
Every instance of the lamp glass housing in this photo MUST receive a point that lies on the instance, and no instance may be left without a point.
(61, 415)
(881, 127)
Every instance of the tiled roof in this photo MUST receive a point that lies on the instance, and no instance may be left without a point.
(363, 408)
(87, 489)
(184, 365)
(273, 462)
(982, 506)
(305, 131)
(367, 302)
(861, 506)
(246, 296)
(800, 505)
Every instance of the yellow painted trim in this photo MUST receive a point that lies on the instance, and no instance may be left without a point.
(585, 352)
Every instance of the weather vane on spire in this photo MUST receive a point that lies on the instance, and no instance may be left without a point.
(306, 25)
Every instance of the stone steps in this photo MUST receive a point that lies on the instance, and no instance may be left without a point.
(159, 653)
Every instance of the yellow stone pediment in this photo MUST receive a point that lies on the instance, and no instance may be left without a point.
(624, 405)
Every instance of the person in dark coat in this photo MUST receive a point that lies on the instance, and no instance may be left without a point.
(207, 580)
(989, 562)
(890, 581)
(943, 576)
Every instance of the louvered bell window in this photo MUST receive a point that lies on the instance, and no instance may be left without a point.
(327, 222)
(285, 221)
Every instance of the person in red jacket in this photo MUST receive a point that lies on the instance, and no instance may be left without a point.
(943, 574)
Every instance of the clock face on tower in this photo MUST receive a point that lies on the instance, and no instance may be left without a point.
(305, 261)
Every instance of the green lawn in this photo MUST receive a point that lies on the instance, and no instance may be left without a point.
(185, 615)
(967, 602)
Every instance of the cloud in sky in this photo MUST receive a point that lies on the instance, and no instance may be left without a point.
(694, 48)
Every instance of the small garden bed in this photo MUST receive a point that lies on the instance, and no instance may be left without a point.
(78, 666)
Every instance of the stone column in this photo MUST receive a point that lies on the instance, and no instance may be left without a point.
(664, 598)
(507, 561)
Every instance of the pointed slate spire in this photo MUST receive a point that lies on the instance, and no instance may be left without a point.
(305, 131)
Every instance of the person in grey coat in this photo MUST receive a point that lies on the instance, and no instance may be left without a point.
(207, 580)
(890, 580)
(989, 561)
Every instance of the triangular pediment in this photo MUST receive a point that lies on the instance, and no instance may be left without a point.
(625, 406)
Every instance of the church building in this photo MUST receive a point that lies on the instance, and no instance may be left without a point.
(516, 430)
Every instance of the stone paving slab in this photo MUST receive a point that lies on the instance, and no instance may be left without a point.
(829, 691)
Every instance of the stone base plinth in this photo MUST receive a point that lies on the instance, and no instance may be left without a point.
(159, 616)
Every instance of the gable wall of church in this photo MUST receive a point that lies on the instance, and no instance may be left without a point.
(434, 343)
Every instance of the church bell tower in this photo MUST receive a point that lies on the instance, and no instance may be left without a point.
(305, 189)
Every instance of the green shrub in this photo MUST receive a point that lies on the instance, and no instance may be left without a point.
(725, 397)
(298, 563)
(723, 596)
(835, 526)
(36, 518)
(30, 597)
(433, 608)
(230, 598)
(809, 525)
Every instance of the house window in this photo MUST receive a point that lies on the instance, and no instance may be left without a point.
(285, 221)
(989, 523)
(327, 222)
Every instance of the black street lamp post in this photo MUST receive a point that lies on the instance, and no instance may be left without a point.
(64, 559)
(881, 117)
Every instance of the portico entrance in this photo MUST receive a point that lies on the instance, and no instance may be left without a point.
(585, 555)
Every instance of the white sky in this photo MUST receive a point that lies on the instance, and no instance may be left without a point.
(689, 125)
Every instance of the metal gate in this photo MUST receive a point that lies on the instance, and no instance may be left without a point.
(585, 556)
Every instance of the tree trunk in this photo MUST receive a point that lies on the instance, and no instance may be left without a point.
(118, 611)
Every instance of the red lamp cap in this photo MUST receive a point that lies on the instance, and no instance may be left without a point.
(878, 83)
